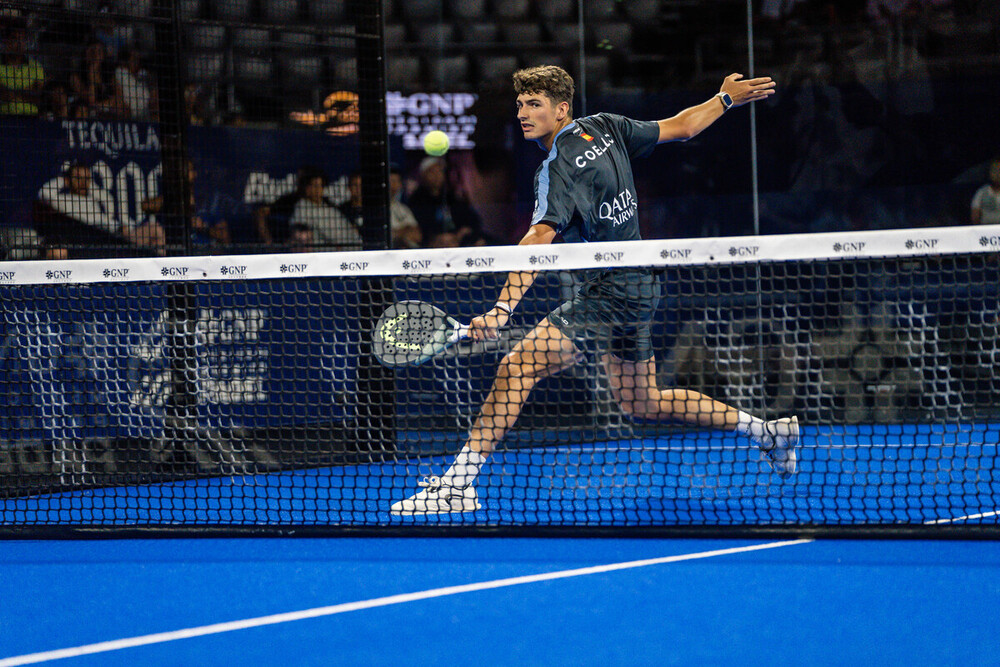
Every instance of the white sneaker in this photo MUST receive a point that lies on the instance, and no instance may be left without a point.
(778, 444)
(437, 498)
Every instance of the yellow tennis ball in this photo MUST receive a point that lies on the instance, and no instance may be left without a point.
(436, 143)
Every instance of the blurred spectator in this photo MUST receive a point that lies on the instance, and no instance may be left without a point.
(986, 201)
(204, 231)
(57, 103)
(108, 32)
(309, 207)
(70, 214)
(137, 99)
(196, 105)
(777, 10)
(93, 84)
(446, 218)
(21, 77)
(906, 11)
(405, 229)
(301, 239)
(352, 207)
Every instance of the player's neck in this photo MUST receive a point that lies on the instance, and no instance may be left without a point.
(549, 139)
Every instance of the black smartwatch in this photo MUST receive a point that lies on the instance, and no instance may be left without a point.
(727, 101)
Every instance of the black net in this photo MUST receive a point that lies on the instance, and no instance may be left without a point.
(849, 388)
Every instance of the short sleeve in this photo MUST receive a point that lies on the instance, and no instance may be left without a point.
(553, 195)
(977, 199)
(640, 136)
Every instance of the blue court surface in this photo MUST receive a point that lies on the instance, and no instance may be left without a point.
(532, 601)
(478, 601)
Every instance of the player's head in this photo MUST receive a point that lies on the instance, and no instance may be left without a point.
(544, 99)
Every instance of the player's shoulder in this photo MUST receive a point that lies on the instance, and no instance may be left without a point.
(579, 136)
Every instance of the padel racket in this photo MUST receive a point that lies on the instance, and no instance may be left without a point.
(412, 332)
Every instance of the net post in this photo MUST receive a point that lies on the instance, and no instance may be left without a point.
(376, 384)
(175, 215)
(181, 307)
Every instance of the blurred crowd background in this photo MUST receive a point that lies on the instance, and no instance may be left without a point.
(885, 117)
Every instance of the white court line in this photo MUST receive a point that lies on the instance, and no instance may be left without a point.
(962, 518)
(162, 637)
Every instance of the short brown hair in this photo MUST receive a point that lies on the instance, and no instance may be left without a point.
(550, 80)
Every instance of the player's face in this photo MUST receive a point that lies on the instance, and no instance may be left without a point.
(538, 116)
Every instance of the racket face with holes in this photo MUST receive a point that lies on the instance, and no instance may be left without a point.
(412, 332)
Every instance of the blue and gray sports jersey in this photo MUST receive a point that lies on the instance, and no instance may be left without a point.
(589, 171)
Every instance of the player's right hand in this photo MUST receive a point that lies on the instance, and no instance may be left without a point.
(488, 325)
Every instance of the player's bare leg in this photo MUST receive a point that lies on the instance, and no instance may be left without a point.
(543, 352)
(633, 385)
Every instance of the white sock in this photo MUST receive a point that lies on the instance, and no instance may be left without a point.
(464, 470)
(750, 425)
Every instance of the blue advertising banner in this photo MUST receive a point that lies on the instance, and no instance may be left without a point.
(107, 371)
(237, 168)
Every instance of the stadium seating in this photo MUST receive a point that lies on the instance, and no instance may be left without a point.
(524, 33)
(512, 10)
(557, 10)
(190, 9)
(600, 10)
(205, 36)
(493, 66)
(280, 11)
(443, 71)
(253, 69)
(251, 40)
(472, 10)
(480, 34)
(422, 10)
(404, 73)
(232, 10)
(395, 35)
(326, 12)
(205, 66)
(435, 34)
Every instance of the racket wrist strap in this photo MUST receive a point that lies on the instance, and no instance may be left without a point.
(504, 307)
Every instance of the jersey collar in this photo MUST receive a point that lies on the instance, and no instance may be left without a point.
(559, 134)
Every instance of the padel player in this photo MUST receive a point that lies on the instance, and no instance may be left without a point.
(588, 172)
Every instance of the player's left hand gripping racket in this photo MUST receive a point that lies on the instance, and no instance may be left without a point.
(412, 332)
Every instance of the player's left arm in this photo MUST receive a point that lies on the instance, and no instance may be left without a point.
(518, 282)
(693, 120)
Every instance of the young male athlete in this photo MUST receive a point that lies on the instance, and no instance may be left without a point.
(588, 172)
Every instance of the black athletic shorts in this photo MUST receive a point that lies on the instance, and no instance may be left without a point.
(616, 305)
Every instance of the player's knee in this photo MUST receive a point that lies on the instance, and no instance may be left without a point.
(637, 407)
(633, 409)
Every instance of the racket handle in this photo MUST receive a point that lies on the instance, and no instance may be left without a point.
(458, 333)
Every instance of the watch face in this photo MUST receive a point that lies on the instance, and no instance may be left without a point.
(727, 100)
